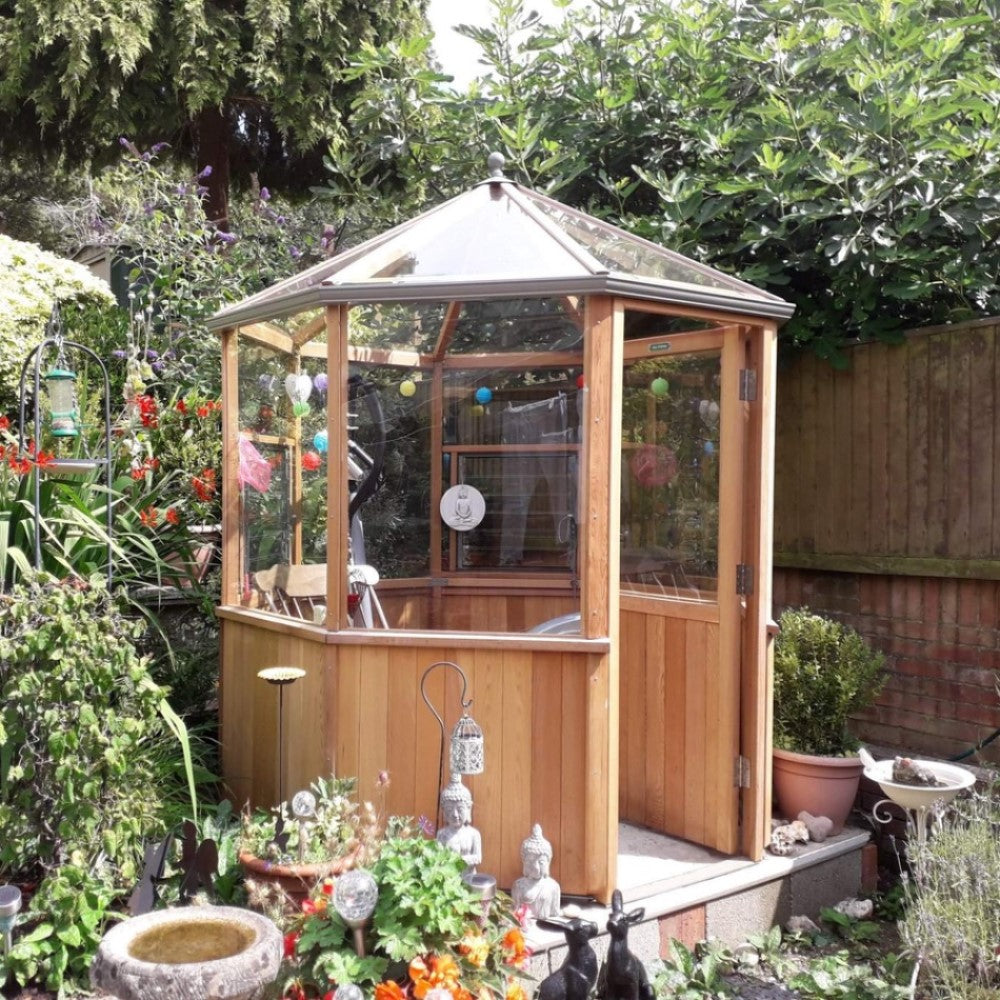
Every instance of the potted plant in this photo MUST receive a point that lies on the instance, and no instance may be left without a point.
(281, 852)
(824, 672)
(430, 936)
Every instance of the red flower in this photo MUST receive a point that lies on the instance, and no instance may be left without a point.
(149, 516)
(148, 410)
(180, 406)
(204, 485)
(44, 459)
(328, 995)
(147, 465)
(172, 516)
(327, 886)
(203, 411)
(311, 461)
(19, 466)
(291, 940)
(4, 423)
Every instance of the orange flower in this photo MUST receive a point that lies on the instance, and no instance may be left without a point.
(149, 516)
(475, 948)
(44, 459)
(4, 423)
(172, 516)
(437, 972)
(390, 990)
(515, 953)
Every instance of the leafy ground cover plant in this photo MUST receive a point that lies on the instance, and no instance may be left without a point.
(88, 766)
(427, 933)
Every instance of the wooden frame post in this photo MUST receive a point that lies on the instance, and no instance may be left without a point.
(599, 560)
(336, 468)
(232, 541)
(757, 689)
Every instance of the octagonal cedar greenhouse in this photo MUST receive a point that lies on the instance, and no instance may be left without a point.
(512, 436)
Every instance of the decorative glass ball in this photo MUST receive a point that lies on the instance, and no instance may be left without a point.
(355, 894)
(321, 441)
(407, 388)
(484, 395)
(659, 387)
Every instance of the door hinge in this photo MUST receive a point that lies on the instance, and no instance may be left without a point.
(741, 772)
(748, 385)
(744, 579)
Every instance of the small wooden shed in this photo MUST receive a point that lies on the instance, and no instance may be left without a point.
(511, 436)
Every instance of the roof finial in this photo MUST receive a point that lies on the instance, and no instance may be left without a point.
(494, 163)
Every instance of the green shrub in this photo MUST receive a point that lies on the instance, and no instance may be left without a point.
(88, 769)
(823, 672)
(951, 917)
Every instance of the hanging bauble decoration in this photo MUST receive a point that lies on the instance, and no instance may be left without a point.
(321, 442)
(298, 387)
(407, 388)
(708, 410)
(709, 448)
(320, 382)
(311, 461)
(659, 387)
(580, 383)
(484, 395)
(653, 465)
(301, 409)
(477, 409)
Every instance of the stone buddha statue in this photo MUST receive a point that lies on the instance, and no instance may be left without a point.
(536, 889)
(458, 832)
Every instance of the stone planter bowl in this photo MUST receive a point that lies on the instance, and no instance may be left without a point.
(190, 953)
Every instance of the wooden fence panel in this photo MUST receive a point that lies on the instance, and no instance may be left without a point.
(890, 465)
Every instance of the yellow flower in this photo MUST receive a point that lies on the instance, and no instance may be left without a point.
(475, 948)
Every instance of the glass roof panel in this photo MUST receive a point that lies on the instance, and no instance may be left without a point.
(516, 325)
(627, 254)
(484, 234)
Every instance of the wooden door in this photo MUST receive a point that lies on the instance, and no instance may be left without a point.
(681, 505)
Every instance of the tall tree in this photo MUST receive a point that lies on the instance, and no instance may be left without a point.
(240, 85)
(842, 154)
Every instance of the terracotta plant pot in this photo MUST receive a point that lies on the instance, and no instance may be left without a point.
(823, 786)
(296, 881)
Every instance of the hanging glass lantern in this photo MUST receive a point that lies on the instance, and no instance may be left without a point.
(60, 384)
(467, 746)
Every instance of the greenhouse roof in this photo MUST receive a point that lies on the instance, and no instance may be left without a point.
(501, 240)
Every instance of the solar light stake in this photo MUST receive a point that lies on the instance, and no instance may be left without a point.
(281, 677)
(10, 906)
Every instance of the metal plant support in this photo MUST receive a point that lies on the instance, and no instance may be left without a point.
(466, 747)
(55, 341)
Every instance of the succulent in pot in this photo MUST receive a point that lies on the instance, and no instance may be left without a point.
(824, 672)
(319, 833)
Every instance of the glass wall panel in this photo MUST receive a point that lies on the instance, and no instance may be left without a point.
(468, 412)
(281, 400)
(670, 475)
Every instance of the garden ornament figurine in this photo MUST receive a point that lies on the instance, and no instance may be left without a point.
(536, 889)
(623, 976)
(575, 978)
(458, 832)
